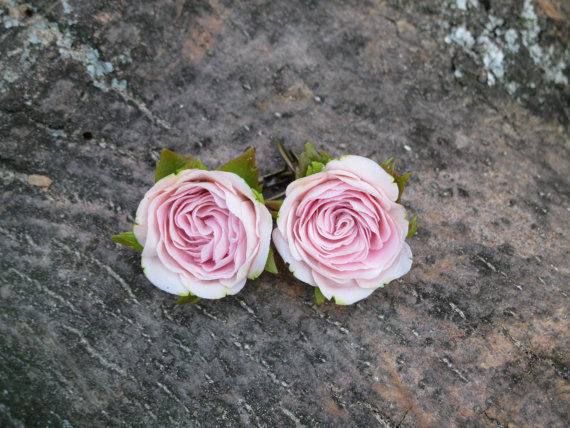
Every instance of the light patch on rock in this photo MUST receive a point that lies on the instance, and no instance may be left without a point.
(464, 4)
(119, 84)
(494, 40)
(10, 22)
(39, 180)
(66, 7)
(493, 25)
(511, 37)
(553, 71)
(462, 37)
(512, 87)
(492, 57)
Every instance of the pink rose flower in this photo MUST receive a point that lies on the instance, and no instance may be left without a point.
(341, 229)
(203, 232)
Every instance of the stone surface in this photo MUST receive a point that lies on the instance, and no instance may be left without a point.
(472, 96)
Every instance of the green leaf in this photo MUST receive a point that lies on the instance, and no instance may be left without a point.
(172, 163)
(386, 164)
(400, 179)
(319, 297)
(128, 240)
(244, 166)
(190, 298)
(412, 227)
(314, 167)
(258, 196)
(270, 266)
(339, 302)
(309, 156)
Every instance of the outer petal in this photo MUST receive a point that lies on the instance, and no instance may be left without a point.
(399, 268)
(141, 217)
(265, 226)
(368, 171)
(162, 277)
(210, 289)
(343, 294)
(297, 267)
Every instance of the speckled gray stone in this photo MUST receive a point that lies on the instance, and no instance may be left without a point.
(475, 335)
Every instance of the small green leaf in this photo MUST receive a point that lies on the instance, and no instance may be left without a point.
(258, 196)
(244, 166)
(400, 179)
(314, 167)
(270, 266)
(309, 156)
(319, 297)
(128, 240)
(386, 164)
(190, 298)
(412, 227)
(172, 163)
(255, 275)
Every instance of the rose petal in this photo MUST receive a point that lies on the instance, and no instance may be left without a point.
(265, 227)
(210, 289)
(368, 171)
(399, 268)
(298, 268)
(344, 294)
(160, 276)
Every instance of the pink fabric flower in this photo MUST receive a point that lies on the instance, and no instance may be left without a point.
(342, 231)
(203, 232)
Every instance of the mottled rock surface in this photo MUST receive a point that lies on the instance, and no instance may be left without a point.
(472, 96)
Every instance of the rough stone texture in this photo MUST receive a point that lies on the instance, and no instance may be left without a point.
(475, 335)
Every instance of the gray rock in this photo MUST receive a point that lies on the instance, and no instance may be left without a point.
(475, 335)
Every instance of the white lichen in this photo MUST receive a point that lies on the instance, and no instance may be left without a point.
(492, 57)
(494, 40)
(66, 7)
(553, 71)
(512, 87)
(462, 37)
(10, 22)
(511, 37)
(461, 4)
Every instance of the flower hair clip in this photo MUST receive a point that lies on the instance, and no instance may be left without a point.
(340, 228)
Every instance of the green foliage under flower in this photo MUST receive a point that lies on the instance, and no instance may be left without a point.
(190, 299)
(128, 240)
(312, 161)
(270, 266)
(319, 297)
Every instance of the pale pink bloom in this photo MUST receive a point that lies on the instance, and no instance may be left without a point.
(341, 229)
(203, 232)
